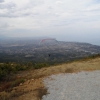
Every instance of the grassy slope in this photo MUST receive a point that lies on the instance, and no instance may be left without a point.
(76, 66)
(33, 86)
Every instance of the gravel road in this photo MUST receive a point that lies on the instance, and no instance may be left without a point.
(73, 86)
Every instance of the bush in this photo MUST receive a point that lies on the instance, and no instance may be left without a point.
(6, 69)
(17, 82)
(40, 65)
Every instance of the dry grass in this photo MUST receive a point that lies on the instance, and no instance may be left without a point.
(77, 66)
(34, 88)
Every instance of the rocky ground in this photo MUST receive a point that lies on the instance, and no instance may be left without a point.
(73, 86)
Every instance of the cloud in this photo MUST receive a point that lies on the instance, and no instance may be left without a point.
(96, 1)
(7, 6)
(15, 9)
(1, 1)
(4, 25)
(59, 2)
(46, 11)
(49, 16)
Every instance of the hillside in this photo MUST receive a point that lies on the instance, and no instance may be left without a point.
(33, 87)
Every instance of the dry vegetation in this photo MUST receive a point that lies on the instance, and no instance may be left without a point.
(33, 87)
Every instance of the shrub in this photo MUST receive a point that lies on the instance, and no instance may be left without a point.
(17, 82)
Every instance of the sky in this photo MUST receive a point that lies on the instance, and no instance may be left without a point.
(68, 20)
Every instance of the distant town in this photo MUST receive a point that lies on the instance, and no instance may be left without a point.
(44, 50)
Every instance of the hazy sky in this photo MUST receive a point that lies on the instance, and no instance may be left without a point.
(70, 20)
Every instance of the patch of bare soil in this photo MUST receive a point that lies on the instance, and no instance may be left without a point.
(33, 87)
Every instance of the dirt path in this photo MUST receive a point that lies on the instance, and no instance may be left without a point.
(33, 88)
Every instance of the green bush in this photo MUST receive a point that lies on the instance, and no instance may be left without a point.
(17, 82)
(6, 69)
(40, 65)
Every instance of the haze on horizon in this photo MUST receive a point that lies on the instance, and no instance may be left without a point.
(68, 20)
